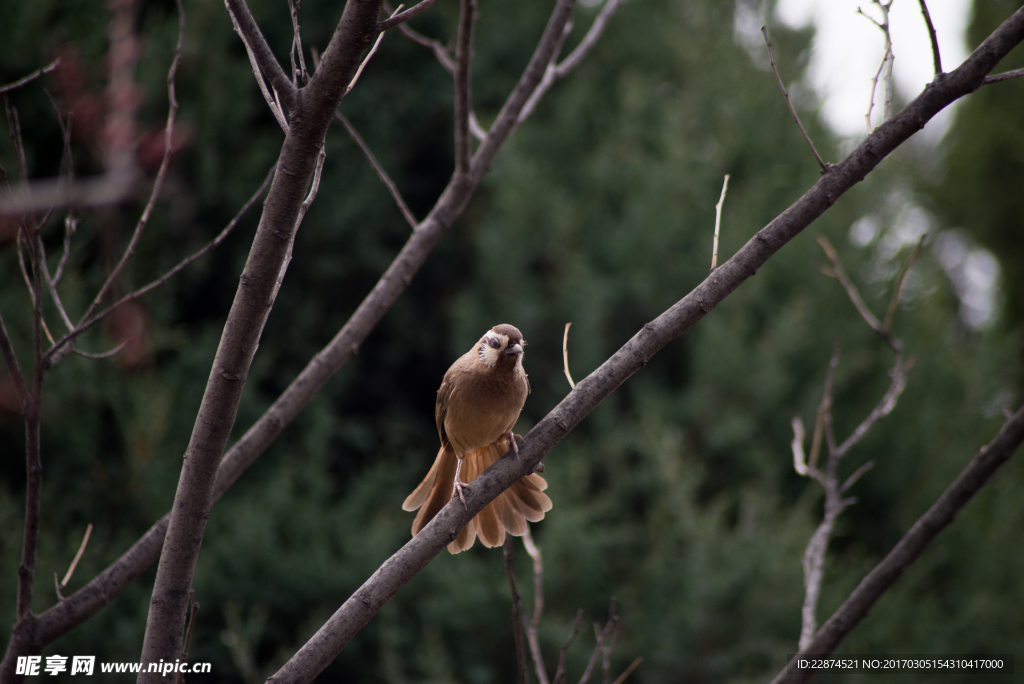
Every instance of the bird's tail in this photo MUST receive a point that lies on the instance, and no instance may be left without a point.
(524, 501)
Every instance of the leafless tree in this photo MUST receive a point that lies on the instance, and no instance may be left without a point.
(304, 104)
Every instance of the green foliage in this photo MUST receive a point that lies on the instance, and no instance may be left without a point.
(677, 495)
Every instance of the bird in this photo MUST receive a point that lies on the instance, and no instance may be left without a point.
(477, 406)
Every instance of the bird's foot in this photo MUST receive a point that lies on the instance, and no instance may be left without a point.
(457, 490)
(510, 439)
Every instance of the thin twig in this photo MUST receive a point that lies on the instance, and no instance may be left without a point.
(931, 34)
(435, 46)
(463, 85)
(366, 60)
(300, 73)
(851, 290)
(565, 356)
(560, 670)
(792, 110)
(102, 355)
(1005, 76)
(249, 38)
(381, 173)
(85, 325)
(396, 19)
(874, 85)
(718, 223)
(887, 61)
(894, 303)
(78, 557)
(517, 623)
(628, 671)
(538, 605)
(11, 359)
(31, 77)
(158, 183)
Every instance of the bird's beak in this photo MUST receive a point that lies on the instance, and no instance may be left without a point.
(515, 349)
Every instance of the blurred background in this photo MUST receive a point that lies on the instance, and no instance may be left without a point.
(677, 495)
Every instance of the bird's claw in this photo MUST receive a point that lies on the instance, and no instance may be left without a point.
(457, 489)
(510, 438)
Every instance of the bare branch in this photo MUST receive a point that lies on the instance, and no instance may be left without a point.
(792, 110)
(78, 556)
(851, 290)
(887, 61)
(1005, 76)
(857, 474)
(366, 60)
(538, 605)
(31, 77)
(884, 408)
(797, 445)
(560, 670)
(396, 19)
(262, 58)
(85, 325)
(158, 183)
(931, 34)
(436, 46)
(300, 73)
(102, 355)
(381, 173)
(11, 359)
(874, 85)
(628, 671)
(463, 86)
(894, 303)
(565, 356)
(517, 623)
(718, 222)
(910, 547)
(589, 40)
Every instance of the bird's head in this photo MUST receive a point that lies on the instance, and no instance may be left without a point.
(503, 344)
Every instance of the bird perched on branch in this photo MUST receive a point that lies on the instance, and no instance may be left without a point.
(477, 406)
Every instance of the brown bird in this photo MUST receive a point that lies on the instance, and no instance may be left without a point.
(477, 406)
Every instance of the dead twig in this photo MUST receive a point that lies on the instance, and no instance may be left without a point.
(789, 103)
(936, 58)
(78, 557)
(396, 19)
(31, 77)
(381, 173)
(565, 356)
(517, 623)
(1005, 76)
(718, 223)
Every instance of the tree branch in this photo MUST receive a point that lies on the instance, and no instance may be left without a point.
(1005, 76)
(381, 173)
(246, 318)
(261, 54)
(517, 622)
(789, 103)
(408, 14)
(936, 58)
(31, 77)
(855, 608)
(463, 88)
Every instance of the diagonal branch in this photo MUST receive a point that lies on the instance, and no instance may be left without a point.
(789, 103)
(1005, 76)
(31, 77)
(381, 173)
(855, 608)
(397, 19)
(261, 54)
(936, 58)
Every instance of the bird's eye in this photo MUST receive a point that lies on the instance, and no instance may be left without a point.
(495, 344)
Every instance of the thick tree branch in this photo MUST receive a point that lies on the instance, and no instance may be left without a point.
(310, 118)
(938, 517)
(463, 85)
(588, 393)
